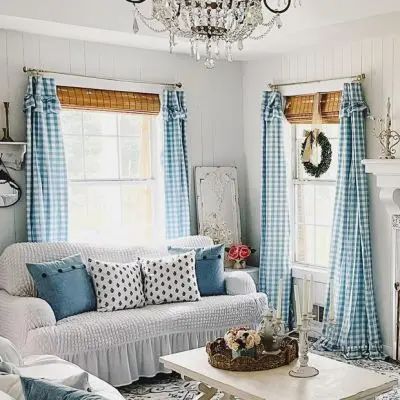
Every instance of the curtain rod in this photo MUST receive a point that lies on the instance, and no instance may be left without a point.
(355, 78)
(35, 71)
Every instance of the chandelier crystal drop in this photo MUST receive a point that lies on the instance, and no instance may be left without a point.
(215, 25)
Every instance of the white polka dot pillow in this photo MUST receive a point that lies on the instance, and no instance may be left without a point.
(117, 286)
(170, 279)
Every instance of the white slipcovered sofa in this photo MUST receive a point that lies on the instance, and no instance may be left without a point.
(121, 346)
(54, 369)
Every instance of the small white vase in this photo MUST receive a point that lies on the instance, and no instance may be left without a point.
(239, 264)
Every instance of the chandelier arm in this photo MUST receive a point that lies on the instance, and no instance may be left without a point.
(270, 8)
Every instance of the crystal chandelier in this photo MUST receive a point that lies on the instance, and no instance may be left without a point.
(216, 24)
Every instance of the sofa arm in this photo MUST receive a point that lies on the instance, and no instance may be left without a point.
(239, 282)
(19, 315)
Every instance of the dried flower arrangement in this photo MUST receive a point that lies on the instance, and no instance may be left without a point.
(242, 338)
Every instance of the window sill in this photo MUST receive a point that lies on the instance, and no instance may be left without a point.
(301, 271)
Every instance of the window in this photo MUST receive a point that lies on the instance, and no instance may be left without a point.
(114, 177)
(312, 202)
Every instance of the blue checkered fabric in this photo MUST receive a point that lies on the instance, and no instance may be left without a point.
(176, 178)
(46, 174)
(274, 246)
(356, 332)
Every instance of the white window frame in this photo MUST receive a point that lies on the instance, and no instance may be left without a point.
(300, 269)
(157, 143)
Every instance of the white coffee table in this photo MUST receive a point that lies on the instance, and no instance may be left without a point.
(336, 380)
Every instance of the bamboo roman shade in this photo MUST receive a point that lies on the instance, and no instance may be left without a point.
(108, 100)
(306, 109)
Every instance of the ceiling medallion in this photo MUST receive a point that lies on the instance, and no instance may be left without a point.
(218, 24)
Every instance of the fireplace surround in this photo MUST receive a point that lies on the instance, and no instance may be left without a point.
(387, 174)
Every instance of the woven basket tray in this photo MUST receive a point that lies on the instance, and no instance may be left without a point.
(219, 356)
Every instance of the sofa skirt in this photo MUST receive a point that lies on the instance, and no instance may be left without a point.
(124, 364)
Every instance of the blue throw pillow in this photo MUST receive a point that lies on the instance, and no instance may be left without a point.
(65, 284)
(209, 268)
(40, 389)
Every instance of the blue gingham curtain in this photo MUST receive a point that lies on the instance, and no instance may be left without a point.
(356, 332)
(47, 187)
(274, 246)
(176, 178)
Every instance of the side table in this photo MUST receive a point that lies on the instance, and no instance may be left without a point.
(252, 271)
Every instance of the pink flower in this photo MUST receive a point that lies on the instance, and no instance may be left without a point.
(233, 253)
(244, 252)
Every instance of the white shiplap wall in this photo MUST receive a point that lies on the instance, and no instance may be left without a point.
(214, 98)
(379, 59)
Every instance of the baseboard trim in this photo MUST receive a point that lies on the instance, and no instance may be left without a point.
(388, 350)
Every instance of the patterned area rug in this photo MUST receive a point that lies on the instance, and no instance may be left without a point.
(171, 386)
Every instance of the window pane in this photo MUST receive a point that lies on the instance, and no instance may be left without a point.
(74, 156)
(301, 172)
(300, 128)
(314, 202)
(135, 156)
(325, 200)
(305, 204)
(305, 244)
(133, 124)
(101, 157)
(331, 130)
(111, 213)
(110, 147)
(99, 123)
(137, 213)
(101, 218)
(332, 171)
(322, 245)
(78, 219)
(71, 122)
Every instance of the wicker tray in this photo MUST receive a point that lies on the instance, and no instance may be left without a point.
(219, 356)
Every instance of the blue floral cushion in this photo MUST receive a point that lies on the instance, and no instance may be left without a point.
(65, 284)
(209, 268)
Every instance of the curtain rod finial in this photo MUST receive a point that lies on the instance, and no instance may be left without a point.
(272, 86)
(360, 77)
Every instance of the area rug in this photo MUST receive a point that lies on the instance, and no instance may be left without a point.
(171, 386)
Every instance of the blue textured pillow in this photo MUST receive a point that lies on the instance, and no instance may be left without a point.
(65, 284)
(40, 389)
(209, 268)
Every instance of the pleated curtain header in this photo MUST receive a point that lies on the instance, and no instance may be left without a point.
(318, 108)
(108, 100)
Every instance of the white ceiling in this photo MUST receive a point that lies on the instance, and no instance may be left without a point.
(109, 21)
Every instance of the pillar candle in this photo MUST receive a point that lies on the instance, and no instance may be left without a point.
(298, 305)
(310, 295)
(305, 295)
(279, 304)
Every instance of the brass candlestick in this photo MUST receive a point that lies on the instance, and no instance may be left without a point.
(6, 130)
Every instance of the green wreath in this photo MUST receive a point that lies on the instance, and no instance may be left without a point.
(326, 156)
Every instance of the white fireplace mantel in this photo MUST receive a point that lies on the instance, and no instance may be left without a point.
(388, 181)
(387, 174)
